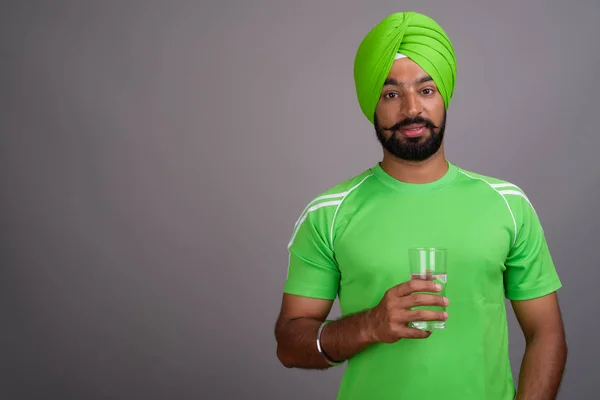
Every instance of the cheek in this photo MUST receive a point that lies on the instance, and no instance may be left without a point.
(436, 110)
(386, 113)
(439, 117)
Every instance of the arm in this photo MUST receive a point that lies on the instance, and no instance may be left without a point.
(387, 322)
(546, 348)
(531, 283)
(310, 288)
(296, 333)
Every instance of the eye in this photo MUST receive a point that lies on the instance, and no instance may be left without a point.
(427, 91)
(390, 95)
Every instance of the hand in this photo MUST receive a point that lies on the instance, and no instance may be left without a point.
(388, 321)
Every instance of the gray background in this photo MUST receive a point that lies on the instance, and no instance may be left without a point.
(154, 157)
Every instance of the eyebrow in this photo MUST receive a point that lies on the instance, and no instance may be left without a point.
(394, 82)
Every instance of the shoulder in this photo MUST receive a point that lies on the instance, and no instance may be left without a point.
(335, 195)
(491, 182)
(320, 212)
(347, 186)
(514, 195)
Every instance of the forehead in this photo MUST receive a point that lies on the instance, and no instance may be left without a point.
(406, 70)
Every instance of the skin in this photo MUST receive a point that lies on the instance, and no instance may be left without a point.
(411, 97)
(546, 347)
(408, 93)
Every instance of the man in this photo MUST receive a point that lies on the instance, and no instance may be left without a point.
(352, 241)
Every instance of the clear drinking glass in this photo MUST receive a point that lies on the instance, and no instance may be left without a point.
(429, 263)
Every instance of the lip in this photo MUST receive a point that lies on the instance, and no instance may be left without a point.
(413, 130)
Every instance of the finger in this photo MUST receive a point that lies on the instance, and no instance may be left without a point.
(415, 333)
(417, 285)
(419, 299)
(426, 315)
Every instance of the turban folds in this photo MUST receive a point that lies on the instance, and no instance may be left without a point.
(415, 35)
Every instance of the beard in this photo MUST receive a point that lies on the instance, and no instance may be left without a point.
(416, 148)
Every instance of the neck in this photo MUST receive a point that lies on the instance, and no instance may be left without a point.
(426, 171)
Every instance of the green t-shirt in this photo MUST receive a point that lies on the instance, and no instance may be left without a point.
(352, 241)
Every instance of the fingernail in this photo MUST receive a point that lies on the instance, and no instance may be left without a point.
(445, 301)
(445, 315)
(438, 286)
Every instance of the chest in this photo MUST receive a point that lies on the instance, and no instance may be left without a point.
(372, 250)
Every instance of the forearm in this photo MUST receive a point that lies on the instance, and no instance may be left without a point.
(542, 367)
(340, 340)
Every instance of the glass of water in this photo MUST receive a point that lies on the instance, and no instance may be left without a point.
(428, 263)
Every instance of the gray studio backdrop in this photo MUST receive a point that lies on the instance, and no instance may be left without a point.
(154, 157)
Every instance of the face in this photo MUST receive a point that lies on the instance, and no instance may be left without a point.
(410, 117)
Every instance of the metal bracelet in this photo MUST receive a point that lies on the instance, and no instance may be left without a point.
(320, 349)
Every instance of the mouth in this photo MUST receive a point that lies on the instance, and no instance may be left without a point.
(413, 130)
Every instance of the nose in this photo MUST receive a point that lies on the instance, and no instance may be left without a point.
(412, 105)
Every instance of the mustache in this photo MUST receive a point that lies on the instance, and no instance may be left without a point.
(412, 120)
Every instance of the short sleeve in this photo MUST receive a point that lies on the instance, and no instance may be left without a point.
(312, 269)
(530, 272)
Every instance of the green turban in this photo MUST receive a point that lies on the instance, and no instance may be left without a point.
(414, 35)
